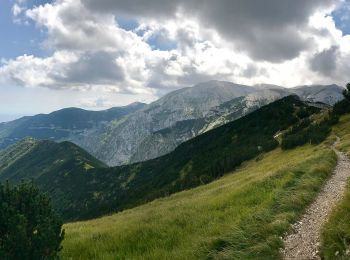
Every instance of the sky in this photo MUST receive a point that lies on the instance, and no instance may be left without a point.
(98, 54)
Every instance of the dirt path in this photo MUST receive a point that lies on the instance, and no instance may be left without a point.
(304, 242)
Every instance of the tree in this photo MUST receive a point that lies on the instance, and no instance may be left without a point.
(29, 227)
(346, 92)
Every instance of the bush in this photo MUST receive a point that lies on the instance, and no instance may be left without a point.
(346, 92)
(29, 228)
(342, 107)
(305, 132)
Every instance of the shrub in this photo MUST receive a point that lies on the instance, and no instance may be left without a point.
(29, 228)
(342, 107)
(305, 132)
(346, 92)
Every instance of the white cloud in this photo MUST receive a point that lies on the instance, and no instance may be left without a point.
(32, 71)
(16, 9)
(93, 103)
(92, 53)
(267, 30)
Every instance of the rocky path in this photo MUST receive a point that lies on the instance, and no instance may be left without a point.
(303, 243)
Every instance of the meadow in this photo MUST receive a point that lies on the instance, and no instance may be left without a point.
(240, 216)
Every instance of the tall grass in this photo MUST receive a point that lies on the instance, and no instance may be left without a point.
(240, 216)
(336, 232)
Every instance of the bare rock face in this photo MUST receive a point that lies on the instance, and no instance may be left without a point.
(117, 142)
(183, 114)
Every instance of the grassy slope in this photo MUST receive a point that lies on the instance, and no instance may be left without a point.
(239, 216)
(336, 233)
(18, 150)
(80, 189)
(195, 162)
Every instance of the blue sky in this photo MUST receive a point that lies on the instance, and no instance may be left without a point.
(342, 17)
(170, 50)
(18, 39)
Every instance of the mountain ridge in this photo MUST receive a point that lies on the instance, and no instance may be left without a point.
(153, 130)
(58, 125)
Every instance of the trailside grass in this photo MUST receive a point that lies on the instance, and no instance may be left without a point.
(336, 232)
(240, 216)
(342, 129)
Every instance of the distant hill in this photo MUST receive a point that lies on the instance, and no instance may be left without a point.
(62, 124)
(32, 159)
(83, 188)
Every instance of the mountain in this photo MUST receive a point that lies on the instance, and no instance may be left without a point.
(116, 143)
(181, 115)
(166, 140)
(61, 125)
(82, 187)
(328, 94)
(142, 132)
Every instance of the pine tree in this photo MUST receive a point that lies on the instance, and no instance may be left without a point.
(29, 227)
(346, 92)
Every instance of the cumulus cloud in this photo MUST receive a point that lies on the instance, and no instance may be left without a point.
(181, 43)
(325, 62)
(86, 31)
(96, 103)
(91, 69)
(31, 71)
(268, 30)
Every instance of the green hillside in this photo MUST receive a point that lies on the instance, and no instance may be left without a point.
(39, 160)
(249, 193)
(240, 216)
(81, 191)
(196, 162)
(243, 215)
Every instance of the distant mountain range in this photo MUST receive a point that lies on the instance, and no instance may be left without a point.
(83, 187)
(141, 132)
(62, 124)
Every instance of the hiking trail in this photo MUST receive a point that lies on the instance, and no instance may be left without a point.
(303, 243)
